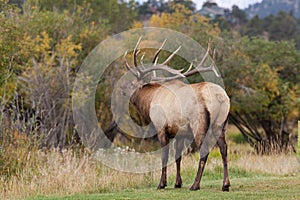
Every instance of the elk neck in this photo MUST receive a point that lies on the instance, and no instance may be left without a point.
(142, 98)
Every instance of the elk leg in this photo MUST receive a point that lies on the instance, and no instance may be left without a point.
(179, 146)
(223, 150)
(196, 184)
(164, 141)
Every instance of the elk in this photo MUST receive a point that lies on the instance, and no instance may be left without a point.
(179, 110)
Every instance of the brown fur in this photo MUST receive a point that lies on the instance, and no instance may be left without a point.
(142, 98)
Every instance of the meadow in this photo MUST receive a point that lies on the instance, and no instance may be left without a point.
(77, 175)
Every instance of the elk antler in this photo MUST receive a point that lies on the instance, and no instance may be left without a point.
(190, 72)
(141, 73)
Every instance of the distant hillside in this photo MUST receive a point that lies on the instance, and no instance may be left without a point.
(267, 7)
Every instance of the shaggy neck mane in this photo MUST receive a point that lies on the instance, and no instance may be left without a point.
(141, 100)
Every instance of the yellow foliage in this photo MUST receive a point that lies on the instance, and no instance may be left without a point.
(137, 24)
(47, 56)
(268, 79)
(37, 48)
(40, 49)
(66, 48)
(170, 20)
(84, 34)
(42, 44)
(7, 91)
(45, 42)
(183, 20)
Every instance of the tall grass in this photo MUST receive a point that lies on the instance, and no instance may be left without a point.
(278, 164)
(66, 173)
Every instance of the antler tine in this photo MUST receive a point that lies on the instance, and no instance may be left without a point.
(205, 55)
(210, 68)
(164, 68)
(154, 61)
(171, 56)
(214, 54)
(128, 66)
(163, 65)
(190, 67)
(200, 67)
(162, 79)
(135, 53)
(141, 61)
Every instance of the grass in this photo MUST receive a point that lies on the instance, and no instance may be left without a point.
(242, 188)
(77, 175)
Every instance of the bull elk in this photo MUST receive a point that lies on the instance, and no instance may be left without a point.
(179, 110)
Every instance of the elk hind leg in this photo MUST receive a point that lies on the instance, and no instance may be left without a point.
(223, 150)
(196, 184)
(201, 132)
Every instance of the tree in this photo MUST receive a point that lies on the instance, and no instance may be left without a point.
(223, 23)
(152, 7)
(182, 19)
(280, 27)
(283, 27)
(239, 15)
(170, 5)
(265, 102)
(118, 15)
(10, 36)
(48, 85)
(267, 21)
(254, 27)
(41, 50)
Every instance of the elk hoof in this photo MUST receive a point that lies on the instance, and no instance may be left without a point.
(178, 185)
(194, 188)
(159, 187)
(225, 188)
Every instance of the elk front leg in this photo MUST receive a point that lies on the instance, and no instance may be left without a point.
(223, 150)
(164, 141)
(179, 146)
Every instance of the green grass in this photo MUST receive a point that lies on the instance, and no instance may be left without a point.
(242, 188)
(236, 137)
